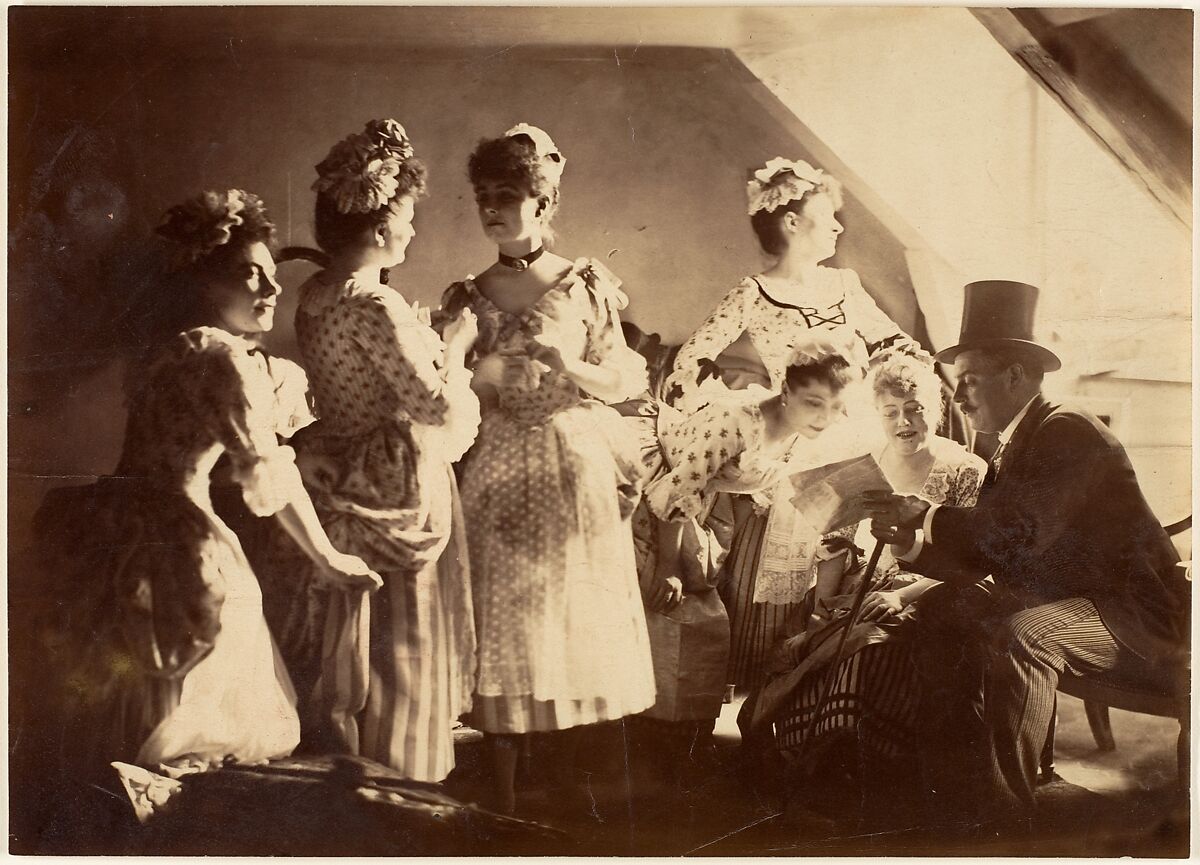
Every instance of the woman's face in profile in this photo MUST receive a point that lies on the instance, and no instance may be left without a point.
(242, 295)
(399, 230)
(904, 422)
(817, 228)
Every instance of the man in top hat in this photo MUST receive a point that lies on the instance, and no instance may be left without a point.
(1083, 575)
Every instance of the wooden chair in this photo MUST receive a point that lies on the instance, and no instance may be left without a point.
(1163, 692)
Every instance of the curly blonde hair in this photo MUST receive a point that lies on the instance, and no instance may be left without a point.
(907, 377)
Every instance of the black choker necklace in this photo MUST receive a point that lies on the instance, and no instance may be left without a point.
(522, 262)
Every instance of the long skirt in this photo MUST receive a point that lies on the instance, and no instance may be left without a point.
(755, 628)
(562, 633)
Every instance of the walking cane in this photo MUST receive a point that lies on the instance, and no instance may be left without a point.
(851, 621)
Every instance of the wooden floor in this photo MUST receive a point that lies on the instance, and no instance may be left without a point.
(1121, 803)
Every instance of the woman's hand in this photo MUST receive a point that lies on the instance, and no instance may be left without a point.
(509, 369)
(663, 593)
(348, 572)
(878, 606)
(461, 333)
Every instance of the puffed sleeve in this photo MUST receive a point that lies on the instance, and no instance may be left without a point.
(237, 398)
(409, 356)
(720, 330)
(293, 404)
(698, 449)
(606, 345)
(877, 330)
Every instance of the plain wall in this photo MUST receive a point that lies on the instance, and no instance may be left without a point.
(659, 144)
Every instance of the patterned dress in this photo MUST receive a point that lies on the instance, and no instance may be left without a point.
(764, 581)
(383, 675)
(719, 449)
(160, 630)
(547, 491)
(874, 695)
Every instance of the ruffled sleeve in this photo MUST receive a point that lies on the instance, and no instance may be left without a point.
(720, 330)
(697, 450)
(238, 397)
(409, 356)
(606, 345)
(877, 330)
(293, 405)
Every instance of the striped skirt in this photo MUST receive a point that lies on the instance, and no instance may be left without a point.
(755, 627)
(873, 700)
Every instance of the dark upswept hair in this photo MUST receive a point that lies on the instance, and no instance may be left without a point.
(766, 223)
(201, 236)
(833, 370)
(335, 230)
(204, 231)
(514, 160)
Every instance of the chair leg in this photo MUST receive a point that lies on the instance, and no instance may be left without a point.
(1047, 763)
(1097, 716)
(1183, 753)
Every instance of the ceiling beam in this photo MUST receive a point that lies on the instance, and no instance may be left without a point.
(1128, 143)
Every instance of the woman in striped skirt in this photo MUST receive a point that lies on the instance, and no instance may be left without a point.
(387, 676)
(871, 704)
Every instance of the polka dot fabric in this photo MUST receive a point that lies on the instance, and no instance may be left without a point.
(562, 633)
(396, 668)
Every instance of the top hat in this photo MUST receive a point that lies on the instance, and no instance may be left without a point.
(998, 313)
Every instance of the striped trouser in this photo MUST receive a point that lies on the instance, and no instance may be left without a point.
(989, 669)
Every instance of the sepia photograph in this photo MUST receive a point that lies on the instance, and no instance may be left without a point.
(491, 431)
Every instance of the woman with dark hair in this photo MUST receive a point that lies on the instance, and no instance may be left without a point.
(739, 443)
(160, 634)
(385, 679)
(869, 719)
(792, 208)
(548, 487)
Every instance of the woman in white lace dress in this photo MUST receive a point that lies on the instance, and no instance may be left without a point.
(549, 485)
(385, 677)
(161, 637)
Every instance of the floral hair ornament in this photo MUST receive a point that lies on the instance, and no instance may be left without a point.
(201, 224)
(553, 160)
(780, 181)
(816, 348)
(361, 172)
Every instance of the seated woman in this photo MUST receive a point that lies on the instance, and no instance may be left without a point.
(738, 444)
(871, 705)
(159, 638)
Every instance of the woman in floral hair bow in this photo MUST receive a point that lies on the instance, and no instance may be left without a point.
(386, 676)
(549, 486)
(167, 654)
(747, 340)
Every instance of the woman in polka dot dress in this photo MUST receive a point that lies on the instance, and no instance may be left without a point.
(386, 676)
(549, 485)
